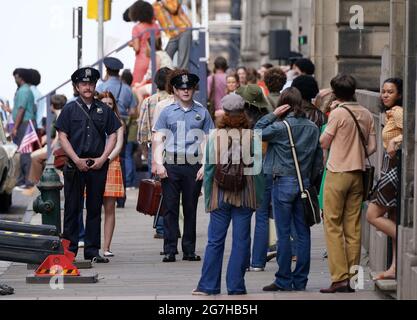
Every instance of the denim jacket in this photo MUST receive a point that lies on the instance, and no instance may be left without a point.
(278, 159)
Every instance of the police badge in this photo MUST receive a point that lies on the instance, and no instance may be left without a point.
(184, 78)
(99, 110)
(197, 117)
(87, 73)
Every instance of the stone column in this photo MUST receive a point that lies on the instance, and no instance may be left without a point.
(250, 32)
(407, 233)
(397, 34)
(324, 40)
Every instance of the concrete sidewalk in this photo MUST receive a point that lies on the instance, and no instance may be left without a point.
(136, 270)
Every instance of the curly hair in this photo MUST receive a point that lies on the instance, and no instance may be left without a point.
(233, 121)
(141, 11)
(275, 79)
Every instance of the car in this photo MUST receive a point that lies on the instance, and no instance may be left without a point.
(9, 169)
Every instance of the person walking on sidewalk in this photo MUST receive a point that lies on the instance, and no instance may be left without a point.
(82, 127)
(287, 203)
(384, 198)
(343, 188)
(227, 204)
(185, 125)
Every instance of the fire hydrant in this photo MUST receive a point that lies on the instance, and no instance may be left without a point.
(48, 203)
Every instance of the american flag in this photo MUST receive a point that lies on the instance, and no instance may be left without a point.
(29, 138)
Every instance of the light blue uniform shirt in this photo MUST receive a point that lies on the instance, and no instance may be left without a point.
(179, 124)
(122, 93)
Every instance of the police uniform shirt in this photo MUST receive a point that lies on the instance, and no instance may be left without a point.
(179, 122)
(125, 99)
(83, 136)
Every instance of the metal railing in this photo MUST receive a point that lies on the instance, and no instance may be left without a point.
(202, 68)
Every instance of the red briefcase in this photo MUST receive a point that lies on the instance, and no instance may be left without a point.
(149, 197)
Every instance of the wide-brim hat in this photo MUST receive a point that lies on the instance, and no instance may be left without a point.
(185, 81)
(254, 95)
(87, 74)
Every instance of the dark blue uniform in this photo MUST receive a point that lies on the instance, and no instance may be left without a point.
(87, 142)
(181, 147)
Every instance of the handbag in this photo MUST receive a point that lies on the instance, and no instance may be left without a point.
(309, 195)
(60, 158)
(368, 174)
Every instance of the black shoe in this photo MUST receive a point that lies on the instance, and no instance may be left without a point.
(274, 287)
(5, 290)
(169, 258)
(98, 259)
(192, 257)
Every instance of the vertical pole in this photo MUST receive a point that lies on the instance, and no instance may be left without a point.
(153, 59)
(204, 22)
(49, 122)
(203, 70)
(194, 18)
(100, 49)
(80, 37)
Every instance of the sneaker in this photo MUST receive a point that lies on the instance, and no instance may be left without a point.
(80, 244)
(108, 253)
(197, 292)
(256, 269)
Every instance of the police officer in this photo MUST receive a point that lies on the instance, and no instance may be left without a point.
(126, 102)
(184, 125)
(83, 126)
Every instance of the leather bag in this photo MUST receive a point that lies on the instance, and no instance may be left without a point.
(149, 197)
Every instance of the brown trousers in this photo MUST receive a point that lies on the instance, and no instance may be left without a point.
(342, 222)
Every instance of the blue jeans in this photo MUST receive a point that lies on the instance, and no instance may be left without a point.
(130, 165)
(288, 207)
(239, 257)
(81, 234)
(261, 235)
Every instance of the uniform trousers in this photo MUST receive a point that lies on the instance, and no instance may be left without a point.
(75, 182)
(180, 182)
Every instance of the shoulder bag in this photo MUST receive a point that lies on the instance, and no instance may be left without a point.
(309, 196)
(368, 174)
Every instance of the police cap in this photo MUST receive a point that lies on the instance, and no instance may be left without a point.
(85, 75)
(185, 81)
(113, 63)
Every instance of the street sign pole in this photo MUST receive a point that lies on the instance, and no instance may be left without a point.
(100, 48)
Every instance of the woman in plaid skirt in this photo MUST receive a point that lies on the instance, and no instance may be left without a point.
(114, 183)
(384, 198)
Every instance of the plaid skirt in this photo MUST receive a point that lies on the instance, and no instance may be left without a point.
(114, 184)
(385, 192)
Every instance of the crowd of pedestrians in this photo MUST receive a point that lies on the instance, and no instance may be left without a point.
(191, 148)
